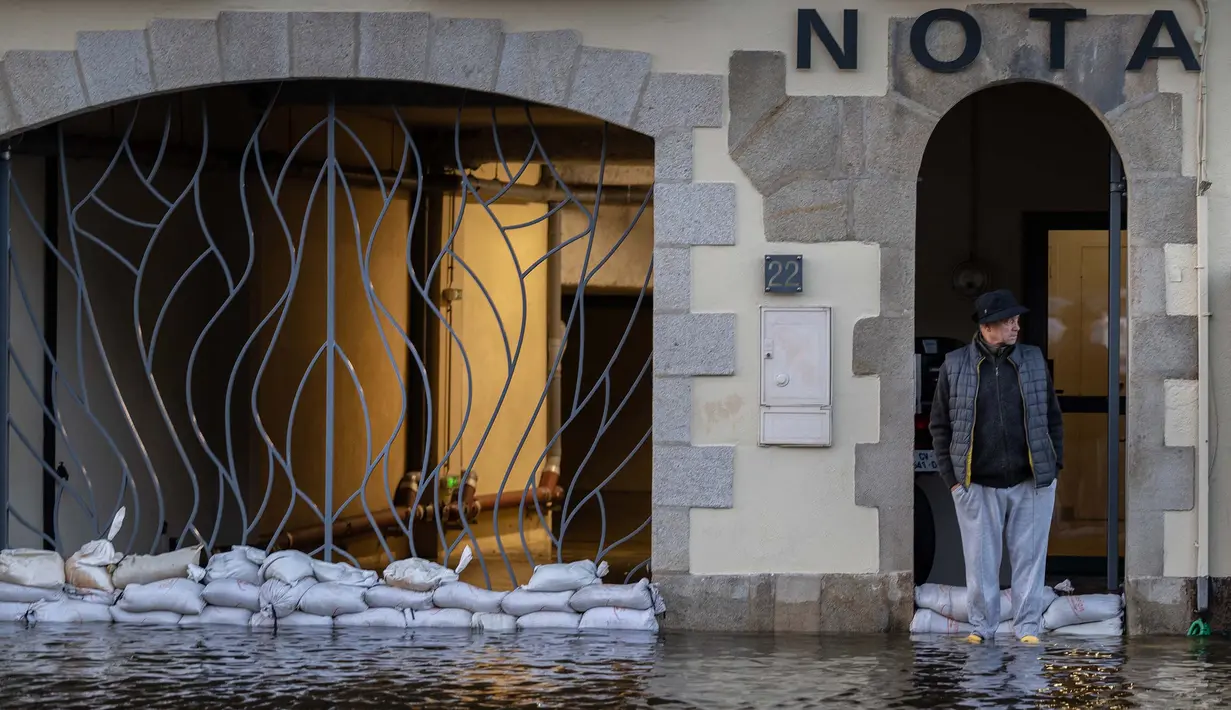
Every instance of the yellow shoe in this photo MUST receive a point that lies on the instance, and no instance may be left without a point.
(974, 638)
(1030, 639)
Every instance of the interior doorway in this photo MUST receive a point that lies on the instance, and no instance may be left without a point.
(1016, 191)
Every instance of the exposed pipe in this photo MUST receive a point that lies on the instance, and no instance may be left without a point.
(1203, 501)
(311, 536)
(612, 194)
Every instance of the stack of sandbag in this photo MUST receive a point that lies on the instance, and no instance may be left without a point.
(88, 588)
(159, 589)
(942, 609)
(618, 607)
(556, 582)
(286, 576)
(232, 592)
(26, 577)
(340, 595)
(1086, 615)
(407, 581)
(558, 597)
(297, 590)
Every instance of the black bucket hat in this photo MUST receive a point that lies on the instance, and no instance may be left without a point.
(995, 306)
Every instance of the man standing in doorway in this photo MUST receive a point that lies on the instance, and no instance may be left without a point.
(999, 442)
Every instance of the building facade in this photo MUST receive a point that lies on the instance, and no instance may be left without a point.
(803, 133)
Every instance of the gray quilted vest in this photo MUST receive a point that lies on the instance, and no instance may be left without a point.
(962, 367)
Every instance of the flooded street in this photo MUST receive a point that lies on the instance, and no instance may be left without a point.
(123, 667)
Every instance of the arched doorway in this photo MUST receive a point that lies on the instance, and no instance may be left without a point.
(1014, 193)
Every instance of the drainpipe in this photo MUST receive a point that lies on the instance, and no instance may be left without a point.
(1204, 371)
(550, 474)
(1202, 500)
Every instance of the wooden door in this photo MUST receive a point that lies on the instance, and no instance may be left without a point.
(1077, 346)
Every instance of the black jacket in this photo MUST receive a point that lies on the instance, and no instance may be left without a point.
(999, 454)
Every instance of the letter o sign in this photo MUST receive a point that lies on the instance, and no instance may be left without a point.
(919, 39)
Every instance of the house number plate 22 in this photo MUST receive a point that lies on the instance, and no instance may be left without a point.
(784, 273)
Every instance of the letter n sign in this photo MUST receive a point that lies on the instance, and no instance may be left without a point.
(809, 22)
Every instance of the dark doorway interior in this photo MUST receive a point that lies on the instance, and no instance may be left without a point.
(1014, 178)
(606, 445)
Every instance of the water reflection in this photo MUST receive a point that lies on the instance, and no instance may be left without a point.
(122, 667)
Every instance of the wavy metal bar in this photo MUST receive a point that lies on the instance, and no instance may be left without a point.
(261, 487)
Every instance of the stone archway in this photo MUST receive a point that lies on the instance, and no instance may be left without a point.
(40, 87)
(861, 156)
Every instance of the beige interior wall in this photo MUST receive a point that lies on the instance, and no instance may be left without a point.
(629, 264)
(358, 336)
(480, 341)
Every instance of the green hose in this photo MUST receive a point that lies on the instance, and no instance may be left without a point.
(1199, 628)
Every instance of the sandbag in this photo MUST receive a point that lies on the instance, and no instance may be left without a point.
(382, 596)
(383, 618)
(560, 620)
(13, 611)
(1081, 609)
(15, 593)
(420, 575)
(31, 568)
(520, 602)
(459, 595)
(291, 620)
(927, 621)
(218, 616)
(950, 601)
(68, 611)
(289, 566)
(85, 576)
(641, 595)
(282, 599)
(182, 596)
(236, 564)
(1107, 627)
(566, 577)
(608, 618)
(145, 618)
(232, 594)
(333, 599)
(438, 619)
(88, 568)
(146, 569)
(255, 555)
(343, 573)
(92, 596)
(493, 622)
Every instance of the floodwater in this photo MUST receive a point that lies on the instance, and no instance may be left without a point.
(100, 667)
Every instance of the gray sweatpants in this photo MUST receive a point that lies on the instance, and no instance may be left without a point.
(992, 518)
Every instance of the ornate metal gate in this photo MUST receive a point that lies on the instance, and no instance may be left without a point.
(313, 332)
